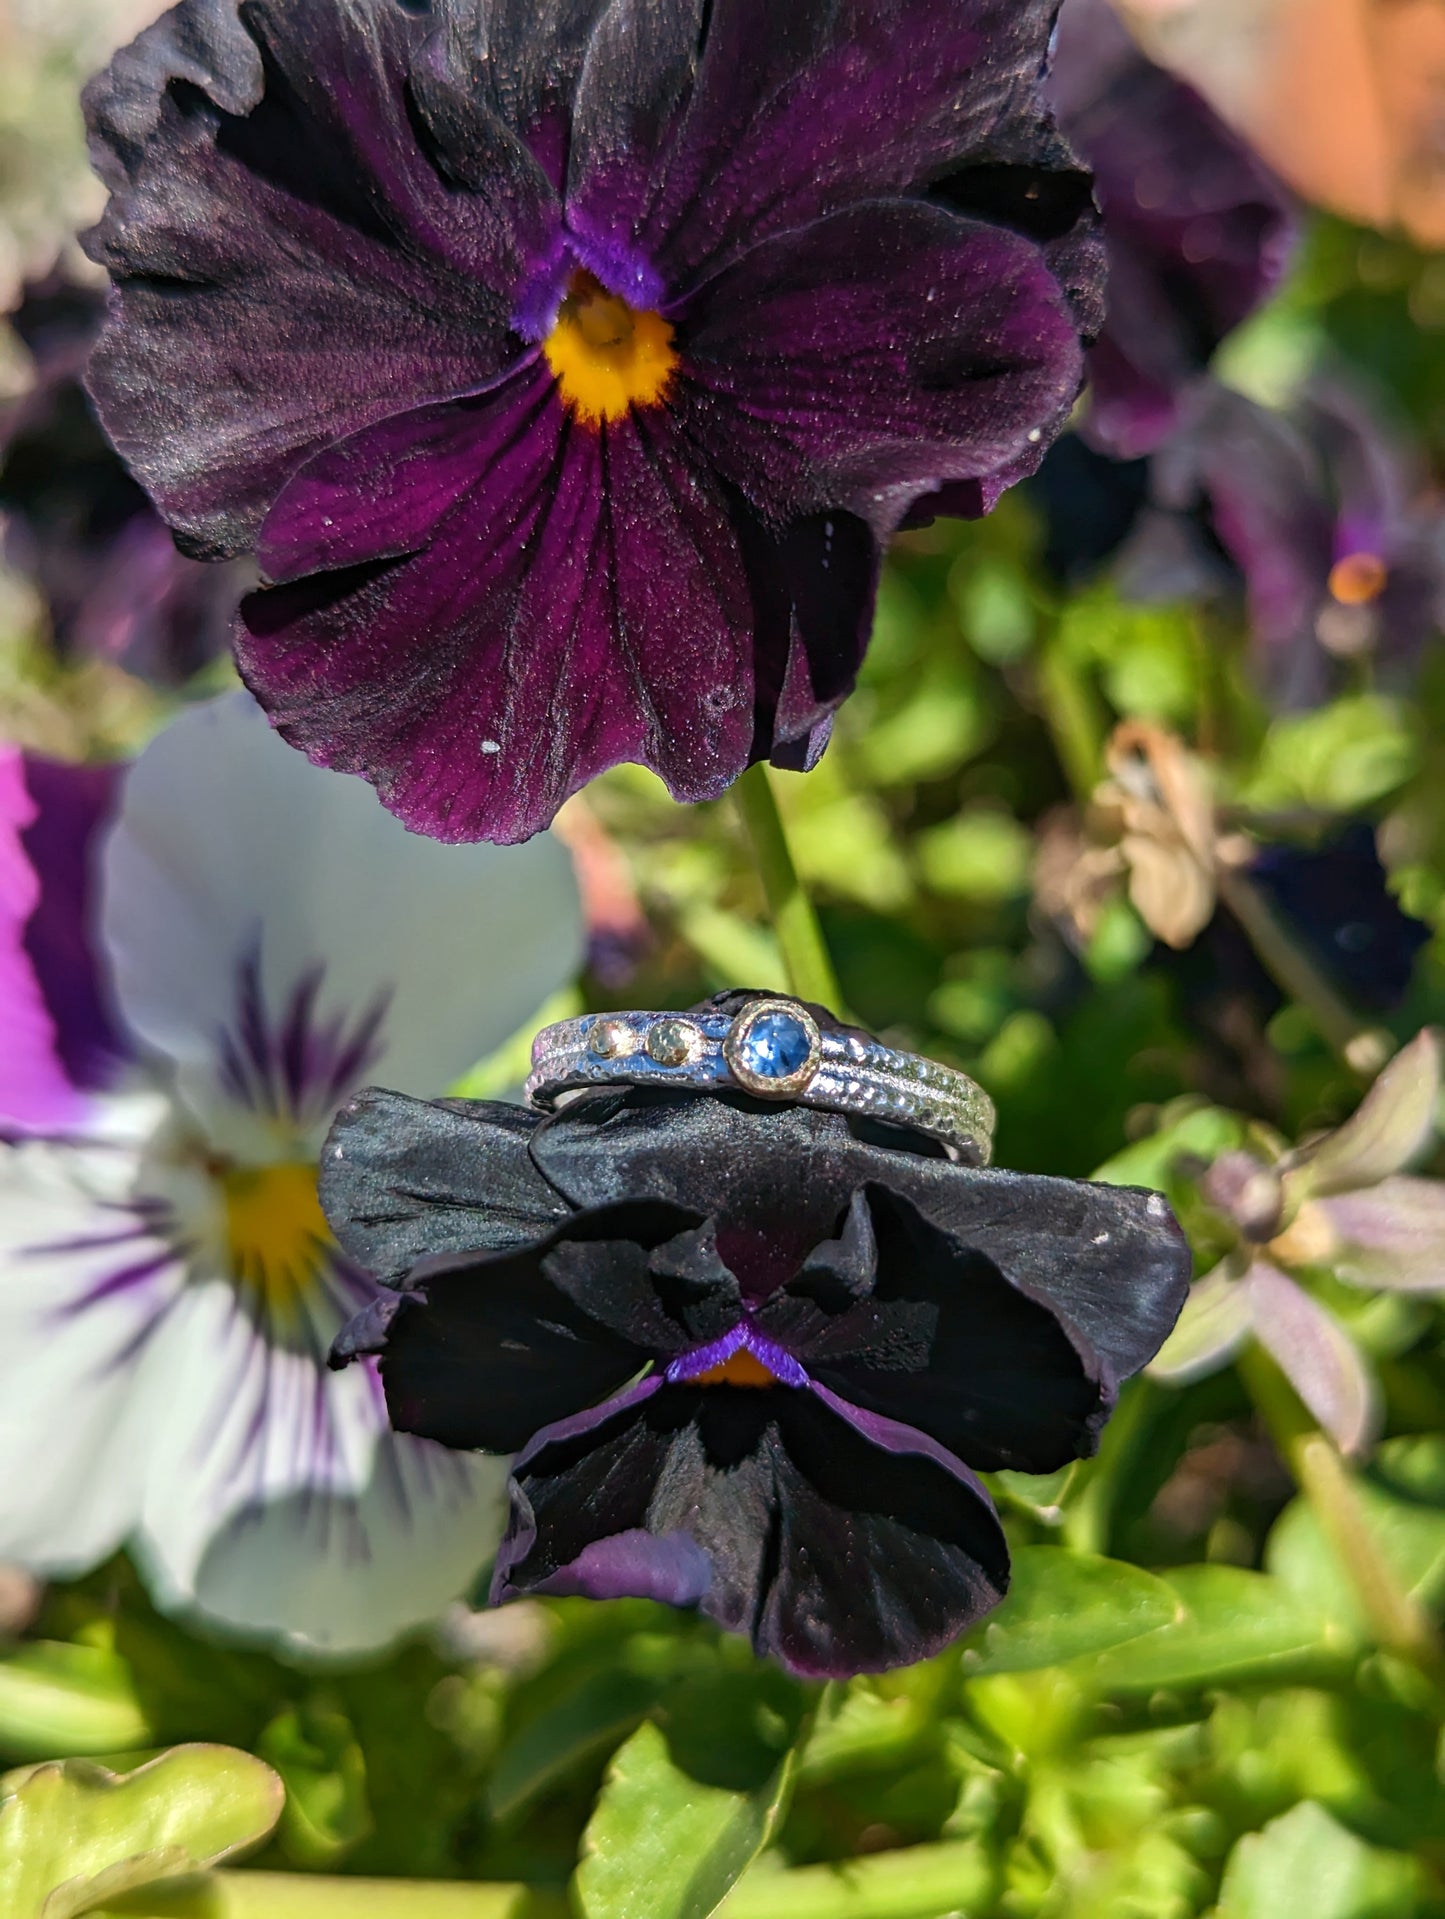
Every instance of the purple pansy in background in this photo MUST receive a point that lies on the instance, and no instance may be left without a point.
(751, 1356)
(201, 955)
(1198, 230)
(82, 530)
(1310, 515)
(567, 368)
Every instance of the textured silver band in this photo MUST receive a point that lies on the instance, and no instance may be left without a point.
(772, 1049)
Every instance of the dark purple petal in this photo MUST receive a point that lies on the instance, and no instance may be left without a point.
(673, 1570)
(1198, 230)
(495, 1346)
(793, 114)
(58, 1038)
(839, 1542)
(875, 356)
(113, 585)
(290, 262)
(936, 1335)
(405, 1178)
(522, 602)
(521, 59)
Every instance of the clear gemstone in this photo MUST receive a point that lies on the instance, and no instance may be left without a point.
(673, 1042)
(610, 1039)
(775, 1046)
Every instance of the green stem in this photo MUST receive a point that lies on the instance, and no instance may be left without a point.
(1076, 718)
(1400, 1624)
(1362, 1049)
(1089, 1514)
(810, 970)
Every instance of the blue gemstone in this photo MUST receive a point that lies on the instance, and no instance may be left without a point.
(775, 1046)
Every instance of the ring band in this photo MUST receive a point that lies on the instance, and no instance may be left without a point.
(773, 1049)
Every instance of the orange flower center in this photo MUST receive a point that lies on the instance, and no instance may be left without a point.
(606, 356)
(1359, 579)
(741, 1370)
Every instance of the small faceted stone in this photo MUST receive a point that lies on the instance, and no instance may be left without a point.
(775, 1046)
(611, 1039)
(673, 1042)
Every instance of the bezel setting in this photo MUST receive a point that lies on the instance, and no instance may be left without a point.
(768, 1085)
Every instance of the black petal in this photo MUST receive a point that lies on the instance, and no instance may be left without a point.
(498, 1346)
(403, 1179)
(840, 1545)
(934, 1335)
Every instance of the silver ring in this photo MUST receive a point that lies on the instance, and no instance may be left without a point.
(773, 1049)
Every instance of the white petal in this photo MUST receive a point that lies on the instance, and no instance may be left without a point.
(84, 1292)
(1213, 1326)
(282, 1507)
(230, 842)
(1314, 1351)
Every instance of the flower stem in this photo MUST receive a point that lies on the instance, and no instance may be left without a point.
(1089, 1513)
(1075, 717)
(810, 970)
(1400, 1624)
(1362, 1049)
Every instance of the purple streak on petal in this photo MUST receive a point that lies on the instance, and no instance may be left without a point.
(672, 1569)
(294, 1064)
(585, 601)
(125, 1280)
(875, 357)
(743, 1338)
(60, 1040)
(894, 1437)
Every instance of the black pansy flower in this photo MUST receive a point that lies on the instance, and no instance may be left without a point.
(750, 1356)
(1197, 228)
(80, 528)
(568, 366)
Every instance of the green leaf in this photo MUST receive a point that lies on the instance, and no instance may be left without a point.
(315, 1750)
(74, 1836)
(1235, 1625)
(1064, 1605)
(689, 1802)
(982, 855)
(586, 1723)
(1338, 759)
(59, 1699)
(1402, 1497)
(1305, 1865)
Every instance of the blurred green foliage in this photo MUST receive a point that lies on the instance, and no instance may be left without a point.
(1183, 1708)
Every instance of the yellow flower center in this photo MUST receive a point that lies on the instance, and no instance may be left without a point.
(605, 355)
(1359, 579)
(276, 1232)
(743, 1369)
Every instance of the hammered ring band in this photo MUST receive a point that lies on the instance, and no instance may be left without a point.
(773, 1049)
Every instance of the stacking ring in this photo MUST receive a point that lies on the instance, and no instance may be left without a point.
(773, 1049)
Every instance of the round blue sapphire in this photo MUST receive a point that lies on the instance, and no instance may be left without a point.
(775, 1046)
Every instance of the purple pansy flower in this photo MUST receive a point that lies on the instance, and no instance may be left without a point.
(1310, 515)
(567, 367)
(1197, 228)
(77, 525)
(751, 1356)
(200, 956)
